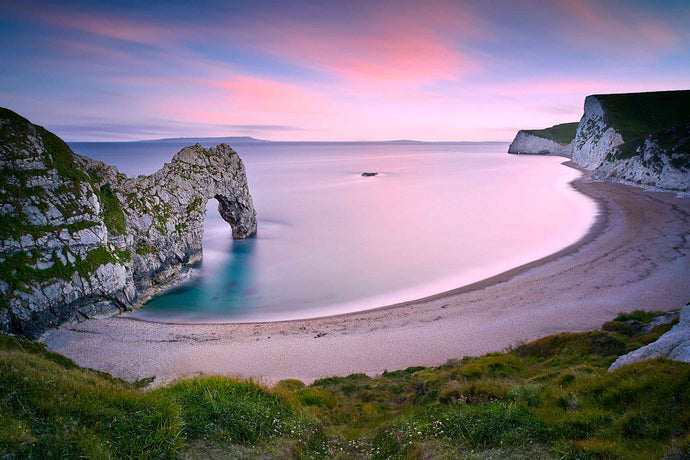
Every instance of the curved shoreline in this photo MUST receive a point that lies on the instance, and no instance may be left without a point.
(596, 228)
(634, 256)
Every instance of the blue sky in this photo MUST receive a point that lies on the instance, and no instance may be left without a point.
(357, 70)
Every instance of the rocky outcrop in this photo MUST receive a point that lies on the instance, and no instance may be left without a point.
(528, 143)
(675, 344)
(80, 240)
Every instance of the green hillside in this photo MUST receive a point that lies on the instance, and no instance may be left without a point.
(562, 134)
(552, 398)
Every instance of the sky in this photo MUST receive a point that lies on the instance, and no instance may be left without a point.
(430, 70)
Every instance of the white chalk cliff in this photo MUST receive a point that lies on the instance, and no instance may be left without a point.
(651, 164)
(656, 156)
(594, 138)
(527, 143)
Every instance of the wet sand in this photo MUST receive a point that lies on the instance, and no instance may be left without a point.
(636, 256)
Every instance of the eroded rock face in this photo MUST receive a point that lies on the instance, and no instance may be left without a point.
(594, 138)
(80, 240)
(526, 143)
(654, 163)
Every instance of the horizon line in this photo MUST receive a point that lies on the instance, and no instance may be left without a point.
(260, 141)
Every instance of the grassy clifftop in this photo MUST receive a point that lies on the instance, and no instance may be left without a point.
(552, 398)
(662, 117)
(637, 115)
(562, 134)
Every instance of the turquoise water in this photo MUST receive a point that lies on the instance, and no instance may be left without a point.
(330, 241)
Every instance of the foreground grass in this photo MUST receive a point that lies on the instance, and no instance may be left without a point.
(552, 398)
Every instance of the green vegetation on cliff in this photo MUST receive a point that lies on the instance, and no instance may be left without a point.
(675, 143)
(48, 205)
(113, 216)
(552, 398)
(663, 117)
(20, 269)
(62, 158)
(636, 115)
(562, 134)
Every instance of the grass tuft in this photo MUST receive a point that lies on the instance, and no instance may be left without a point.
(113, 216)
(224, 409)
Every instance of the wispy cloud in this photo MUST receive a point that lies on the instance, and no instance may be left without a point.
(110, 26)
(163, 128)
(411, 44)
(263, 95)
(362, 69)
(92, 51)
(620, 28)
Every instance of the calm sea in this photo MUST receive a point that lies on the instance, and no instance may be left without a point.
(438, 216)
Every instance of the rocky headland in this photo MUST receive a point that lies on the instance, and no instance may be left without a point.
(80, 240)
(556, 140)
(638, 139)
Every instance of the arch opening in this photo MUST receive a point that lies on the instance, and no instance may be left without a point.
(216, 242)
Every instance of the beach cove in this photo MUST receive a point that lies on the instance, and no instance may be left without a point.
(329, 241)
(634, 257)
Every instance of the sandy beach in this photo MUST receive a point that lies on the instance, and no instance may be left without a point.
(634, 257)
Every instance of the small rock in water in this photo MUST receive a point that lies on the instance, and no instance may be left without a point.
(369, 174)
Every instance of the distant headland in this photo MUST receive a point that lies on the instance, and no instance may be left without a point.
(637, 138)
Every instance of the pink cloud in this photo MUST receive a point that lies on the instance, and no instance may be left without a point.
(395, 57)
(621, 30)
(139, 81)
(585, 12)
(236, 99)
(658, 34)
(262, 95)
(414, 44)
(381, 71)
(405, 48)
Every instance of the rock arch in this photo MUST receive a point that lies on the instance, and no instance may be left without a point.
(97, 241)
(175, 198)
